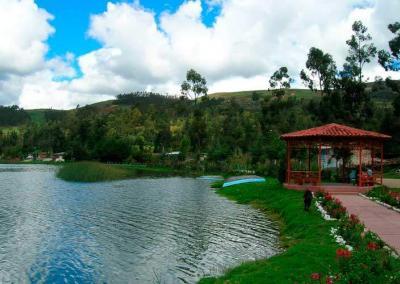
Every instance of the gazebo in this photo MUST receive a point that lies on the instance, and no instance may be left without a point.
(312, 154)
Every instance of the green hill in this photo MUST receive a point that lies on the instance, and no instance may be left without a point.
(300, 93)
(381, 94)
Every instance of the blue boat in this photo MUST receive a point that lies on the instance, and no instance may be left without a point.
(211, 178)
(242, 179)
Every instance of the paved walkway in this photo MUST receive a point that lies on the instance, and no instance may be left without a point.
(376, 218)
(391, 182)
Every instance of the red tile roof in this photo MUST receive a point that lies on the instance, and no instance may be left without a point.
(334, 130)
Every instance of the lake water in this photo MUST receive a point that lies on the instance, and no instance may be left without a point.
(147, 230)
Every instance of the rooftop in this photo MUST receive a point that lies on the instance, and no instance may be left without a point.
(334, 130)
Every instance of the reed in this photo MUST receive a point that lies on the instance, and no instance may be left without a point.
(92, 172)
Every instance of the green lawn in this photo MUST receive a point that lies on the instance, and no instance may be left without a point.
(305, 236)
(391, 173)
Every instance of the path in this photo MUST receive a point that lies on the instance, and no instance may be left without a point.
(391, 182)
(376, 218)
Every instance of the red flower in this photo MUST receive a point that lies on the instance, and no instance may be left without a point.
(354, 219)
(343, 253)
(315, 276)
(328, 197)
(372, 246)
(329, 280)
(337, 201)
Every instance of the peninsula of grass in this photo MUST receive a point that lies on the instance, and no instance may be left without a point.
(96, 172)
(305, 237)
(392, 173)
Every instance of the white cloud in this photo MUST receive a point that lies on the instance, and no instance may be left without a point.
(24, 29)
(247, 42)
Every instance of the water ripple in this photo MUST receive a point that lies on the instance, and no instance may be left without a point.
(164, 230)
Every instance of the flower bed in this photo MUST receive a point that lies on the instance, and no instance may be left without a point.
(362, 257)
(333, 206)
(386, 196)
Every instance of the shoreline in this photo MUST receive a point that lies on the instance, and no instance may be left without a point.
(304, 237)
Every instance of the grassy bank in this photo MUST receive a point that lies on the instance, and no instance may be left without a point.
(95, 171)
(305, 235)
(392, 173)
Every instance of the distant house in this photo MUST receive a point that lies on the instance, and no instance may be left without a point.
(29, 158)
(44, 157)
(59, 157)
(173, 154)
(203, 157)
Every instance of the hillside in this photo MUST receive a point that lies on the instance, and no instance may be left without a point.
(381, 94)
(300, 93)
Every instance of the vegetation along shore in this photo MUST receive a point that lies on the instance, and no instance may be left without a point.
(310, 254)
(95, 171)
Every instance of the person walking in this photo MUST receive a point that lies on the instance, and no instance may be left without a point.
(307, 200)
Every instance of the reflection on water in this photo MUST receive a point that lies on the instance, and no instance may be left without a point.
(164, 230)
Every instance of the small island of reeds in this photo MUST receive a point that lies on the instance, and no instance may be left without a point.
(96, 171)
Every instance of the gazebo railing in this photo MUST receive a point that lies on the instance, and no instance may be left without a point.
(367, 180)
(304, 177)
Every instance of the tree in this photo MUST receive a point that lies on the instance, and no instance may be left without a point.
(360, 51)
(396, 106)
(198, 131)
(322, 70)
(280, 81)
(194, 86)
(255, 96)
(391, 61)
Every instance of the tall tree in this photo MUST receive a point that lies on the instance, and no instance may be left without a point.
(391, 60)
(322, 70)
(194, 86)
(280, 81)
(361, 51)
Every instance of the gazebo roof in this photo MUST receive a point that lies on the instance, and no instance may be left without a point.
(334, 130)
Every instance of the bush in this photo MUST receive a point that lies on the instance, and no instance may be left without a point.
(385, 195)
(332, 205)
(367, 265)
(369, 261)
(351, 229)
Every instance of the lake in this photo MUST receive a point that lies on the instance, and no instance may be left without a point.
(146, 230)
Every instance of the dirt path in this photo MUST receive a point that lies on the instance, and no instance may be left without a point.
(377, 218)
(391, 182)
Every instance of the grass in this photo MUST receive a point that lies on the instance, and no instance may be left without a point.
(305, 236)
(95, 171)
(391, 173)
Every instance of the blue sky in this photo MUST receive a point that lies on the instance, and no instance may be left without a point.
(72, 19)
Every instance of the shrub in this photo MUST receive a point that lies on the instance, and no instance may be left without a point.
(385, 195)
(369, 261)
(332, 205)
(366, 266)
